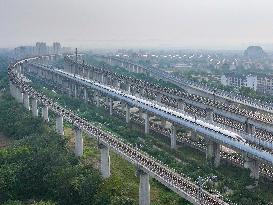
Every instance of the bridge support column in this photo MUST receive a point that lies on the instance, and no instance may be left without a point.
(127, 110)
(102, 79)
(253, 165)
(209, 116)
(12, 89)
(117, 85)
(249, 128)
(144, 188)
(96, 76)
(213, 153)
(105, 161)
(16, 90)
(19, 71)
(137, 70)
(45, 113)
(60, 125)
(146, 121)
(88, 74)
(20, 96)
(72, 69)
(158, 97)
(181, 105)
(26, 101)
(217, 155)
(97, 99)
(173, 137)
(78, 142)
(75, 91)
(34, 107)
(85, 94)
(107, 101)
(129, 88)
(111, 106)
(70, 93)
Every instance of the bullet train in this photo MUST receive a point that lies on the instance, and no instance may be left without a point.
(158, 107)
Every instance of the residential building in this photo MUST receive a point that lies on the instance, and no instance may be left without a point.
(56, 48)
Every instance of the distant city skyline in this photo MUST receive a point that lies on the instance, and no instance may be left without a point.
(210, 24)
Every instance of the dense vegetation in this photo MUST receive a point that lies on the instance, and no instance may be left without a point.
(40, 168)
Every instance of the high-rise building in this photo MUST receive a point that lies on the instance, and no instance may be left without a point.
(41, 48)
(56, 48)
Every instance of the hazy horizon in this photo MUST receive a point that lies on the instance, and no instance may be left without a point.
(210, 24)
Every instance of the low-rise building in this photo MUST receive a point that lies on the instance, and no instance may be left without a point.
(265, 84)
(261, 83)
(238, 81)
(234, 80)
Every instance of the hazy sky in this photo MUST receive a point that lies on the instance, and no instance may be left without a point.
(157, 23)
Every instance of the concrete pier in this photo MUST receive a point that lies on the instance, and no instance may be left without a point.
(16, 93)
(60, 125)
(209, 150)
(117, 85)
(75, 91)
(20, 96)
(146, 121)
(105, 161)
(107, 101)
(181, 105)
(253, 165)
(97, 99)
(213, 153)
(173, 137)
(249, 128)
(34, 107)
(127, 110)
(209, 116)
(144, 188)
(102, 79)
(216, 155)
(88, 74)
(19, 71)
(111, 106)
(45, 113)
(158, 97)
(70, 90)
(12, 89)
(26, 101)
(85, 94)
(78, 142)
(128, 88)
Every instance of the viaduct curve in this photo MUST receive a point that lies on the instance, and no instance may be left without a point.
(173, 116)
(147, 166)
(99, 100)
